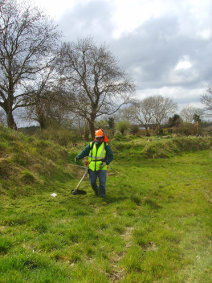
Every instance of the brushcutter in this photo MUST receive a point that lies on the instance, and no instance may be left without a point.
(80, 192)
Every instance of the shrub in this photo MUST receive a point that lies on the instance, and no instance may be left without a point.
(123, 126)
(134, 129)
(60, 136)
(169, 147)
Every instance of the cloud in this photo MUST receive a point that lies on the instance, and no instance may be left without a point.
(180, 95)
(88, 19)
(156, 52)
(166, 51)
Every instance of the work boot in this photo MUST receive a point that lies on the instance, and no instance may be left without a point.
(96, 192)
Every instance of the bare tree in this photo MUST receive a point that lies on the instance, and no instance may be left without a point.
(45, 110)
(162, 108)
(188, 112)
(206, 99)
(46, 104)
(144, 112)
(153, 110)
(126, 113)
(27, 42)
(97, 86)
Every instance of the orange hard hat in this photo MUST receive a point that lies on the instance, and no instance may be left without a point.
(99, 133)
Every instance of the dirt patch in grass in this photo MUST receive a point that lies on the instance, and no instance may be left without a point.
(116, 275)
(2, 228)
(151, 247)
(128, 235)
(117, 272)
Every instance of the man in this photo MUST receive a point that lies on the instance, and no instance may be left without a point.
(99, 156)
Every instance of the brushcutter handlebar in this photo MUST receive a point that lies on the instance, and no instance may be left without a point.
(102, 165)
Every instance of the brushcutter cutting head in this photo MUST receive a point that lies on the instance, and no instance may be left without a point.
(78, 192)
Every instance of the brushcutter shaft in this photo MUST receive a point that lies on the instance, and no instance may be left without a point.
(86, 171)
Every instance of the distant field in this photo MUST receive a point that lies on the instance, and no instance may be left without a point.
(153, 226)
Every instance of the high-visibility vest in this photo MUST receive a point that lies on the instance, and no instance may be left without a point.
(97, 156)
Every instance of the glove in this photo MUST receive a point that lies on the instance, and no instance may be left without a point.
(76, 159)
(102, 165)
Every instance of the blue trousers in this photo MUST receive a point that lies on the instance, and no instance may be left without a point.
(101, 189)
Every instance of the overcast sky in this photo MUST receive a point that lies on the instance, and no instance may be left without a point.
(164, 45)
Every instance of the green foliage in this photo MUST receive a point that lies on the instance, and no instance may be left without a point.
(196, 118)
(61, 136)
(175, 121)
(111, 123)
(134, 129)
(123, 126)
(186, 129)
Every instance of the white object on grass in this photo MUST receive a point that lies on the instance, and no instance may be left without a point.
(54, 195)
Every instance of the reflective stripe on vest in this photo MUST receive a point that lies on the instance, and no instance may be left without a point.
(96, 156)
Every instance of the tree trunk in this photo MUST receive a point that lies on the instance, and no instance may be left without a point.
(92, 129)
(86, 132)
(159, 130)
(10, 121)
(42, 121)
(146, 129)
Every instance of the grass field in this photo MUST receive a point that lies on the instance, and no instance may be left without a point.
(153, 226)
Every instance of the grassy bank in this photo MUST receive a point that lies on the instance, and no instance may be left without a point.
(160, 147)
(29, 165)
(153, 226)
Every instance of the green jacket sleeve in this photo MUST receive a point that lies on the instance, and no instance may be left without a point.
(109, 155)
(84, 152)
